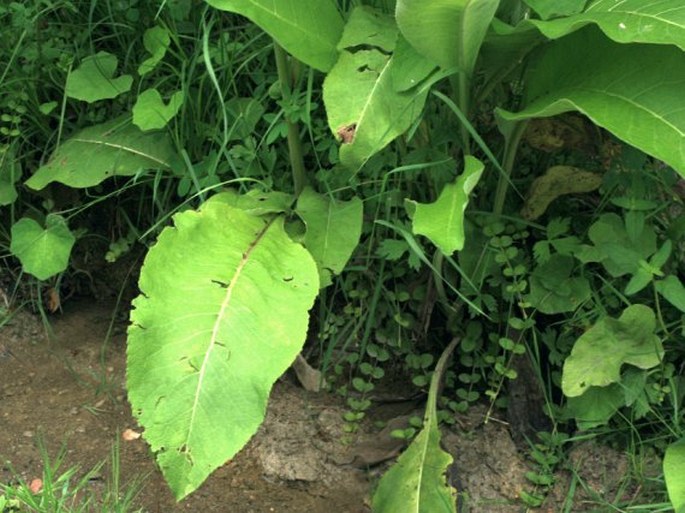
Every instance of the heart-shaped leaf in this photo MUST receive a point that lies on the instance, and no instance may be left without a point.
(43, 252)
(94, 79)
(151, 113)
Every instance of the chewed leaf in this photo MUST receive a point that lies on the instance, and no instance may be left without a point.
(376, 89)
(94, 79)
(557, 181)
(598, 355)
(218, 288)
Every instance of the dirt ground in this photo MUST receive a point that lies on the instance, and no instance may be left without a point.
(69, 389)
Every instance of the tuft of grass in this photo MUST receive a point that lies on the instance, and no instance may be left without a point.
(71, 491)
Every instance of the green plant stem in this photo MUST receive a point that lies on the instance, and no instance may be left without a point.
(510, 150)
(294, 142)
(460, 86)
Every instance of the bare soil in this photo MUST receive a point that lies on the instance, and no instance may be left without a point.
(69, 388)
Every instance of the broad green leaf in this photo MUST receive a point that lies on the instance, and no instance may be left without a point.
(503, 50)
(156, 41)
(94, 79)
(673, 291)
(557, 181)
(553, 290)
(255, 202)
(43, 252)
(596, 406)
(417, 483)
(552, 8)
(627, 21)
(448, 32)
(223, 312)
(151, 113)
(634, 91)
(308, 29)
(115, 148)
(333, 231)
(366, 96)
(674, 474)
(10, 174)
(443, 221)
(597, 356)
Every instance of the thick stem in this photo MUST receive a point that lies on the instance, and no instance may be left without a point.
(294, 142)
(460, 85)
(510, 150)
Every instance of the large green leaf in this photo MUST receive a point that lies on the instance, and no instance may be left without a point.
(223, 312)
(308, 29)
(443, 221)
(43, 252)
(333, 231)
(368, 101)
(674, 474)
(627, 21)
(599, 353)
(94, 79)
(417, 482)
(551, 8)
(448, 32)
(634, 91)
(116, 148)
